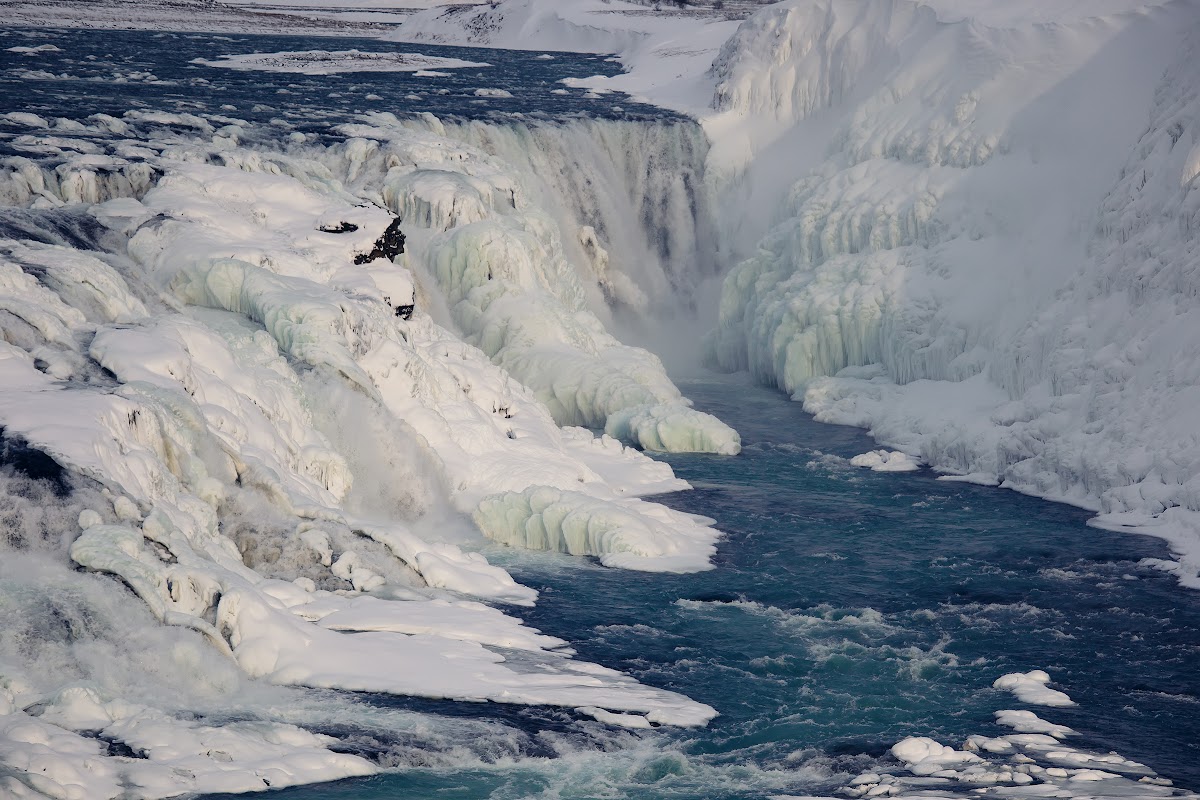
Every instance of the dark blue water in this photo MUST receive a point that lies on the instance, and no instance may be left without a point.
(112, 72)
(848, 609)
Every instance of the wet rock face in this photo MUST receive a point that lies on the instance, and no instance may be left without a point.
(389, 245)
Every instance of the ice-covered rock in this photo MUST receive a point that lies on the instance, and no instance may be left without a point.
(1030, 687)
(886, 461)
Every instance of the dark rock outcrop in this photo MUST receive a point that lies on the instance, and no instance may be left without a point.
(389, 245)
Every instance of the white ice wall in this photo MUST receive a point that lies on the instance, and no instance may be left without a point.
(1001, 214)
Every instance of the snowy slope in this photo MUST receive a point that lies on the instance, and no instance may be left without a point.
(991, 240)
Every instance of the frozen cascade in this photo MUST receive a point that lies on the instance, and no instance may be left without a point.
(261, 437)
(504, 268)
(989, 268)
(635, 191)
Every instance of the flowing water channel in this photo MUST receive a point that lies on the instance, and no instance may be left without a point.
(848, 609)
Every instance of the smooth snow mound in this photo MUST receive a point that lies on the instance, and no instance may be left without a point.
(886, 461)
(328, 62)
(1030, 687)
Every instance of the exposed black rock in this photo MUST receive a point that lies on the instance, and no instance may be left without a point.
(404, 312)
(15, 452)
(389, 245)
(341, 227)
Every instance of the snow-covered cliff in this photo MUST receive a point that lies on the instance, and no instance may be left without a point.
(991, 240)
(274, 427)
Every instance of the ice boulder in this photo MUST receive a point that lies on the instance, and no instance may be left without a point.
(886, 461)
(1030, 687)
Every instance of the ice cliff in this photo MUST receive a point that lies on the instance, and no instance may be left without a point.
(988, 253)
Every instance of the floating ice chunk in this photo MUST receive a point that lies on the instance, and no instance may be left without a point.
(33, 50)
(886, 461)
(25, 119)
(1030, 687)
(623, 533)
(1029, 722)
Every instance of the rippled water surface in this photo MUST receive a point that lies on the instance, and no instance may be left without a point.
(848, 609)
(112, 72)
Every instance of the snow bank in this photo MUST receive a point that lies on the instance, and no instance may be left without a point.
(995, 218)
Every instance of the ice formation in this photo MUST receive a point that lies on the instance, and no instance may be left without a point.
(230, 356)
(886, 461)
(500, 264)
(622, 534)
(1034, 761)
(987, 266)
(1030, 687)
